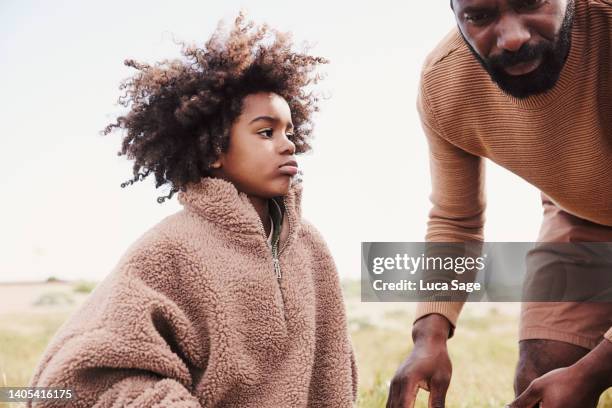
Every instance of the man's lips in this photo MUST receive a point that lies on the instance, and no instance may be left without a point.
(290, 168)
(523, 67)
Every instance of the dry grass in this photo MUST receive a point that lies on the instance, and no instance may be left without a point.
(483, 352)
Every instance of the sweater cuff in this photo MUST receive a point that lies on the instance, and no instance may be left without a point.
(608, 335)
(450, 310)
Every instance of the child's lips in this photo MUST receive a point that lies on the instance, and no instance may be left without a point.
(290, 168)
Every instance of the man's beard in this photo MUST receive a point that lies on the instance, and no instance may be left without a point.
(545, 76)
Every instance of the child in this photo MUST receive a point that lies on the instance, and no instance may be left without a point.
(233, 301)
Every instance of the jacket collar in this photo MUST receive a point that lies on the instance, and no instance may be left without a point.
(220, 203)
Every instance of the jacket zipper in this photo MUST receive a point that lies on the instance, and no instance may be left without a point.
(277, 269)
(276, 258)
(274, 248)
(276, 255)
(288, 235)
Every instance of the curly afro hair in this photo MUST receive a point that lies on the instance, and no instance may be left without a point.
(181, 110)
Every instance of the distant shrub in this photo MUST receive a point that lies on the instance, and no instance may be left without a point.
(54, 299)
(52, 279)
(84, 286)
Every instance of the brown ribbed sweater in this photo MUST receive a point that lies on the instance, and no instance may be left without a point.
(559, 141)
(194, 316)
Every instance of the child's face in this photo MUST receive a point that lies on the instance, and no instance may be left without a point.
(260, 158)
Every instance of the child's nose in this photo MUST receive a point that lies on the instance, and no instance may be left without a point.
(287, 146)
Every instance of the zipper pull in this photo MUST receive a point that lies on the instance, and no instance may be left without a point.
(277, 267)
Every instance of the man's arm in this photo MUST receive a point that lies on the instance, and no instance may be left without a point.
(457, 215)
(457, 197)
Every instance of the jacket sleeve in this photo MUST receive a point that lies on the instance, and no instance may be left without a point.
(129, 345)
(458, 199)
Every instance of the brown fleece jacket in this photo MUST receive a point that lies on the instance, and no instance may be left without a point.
(194, 315)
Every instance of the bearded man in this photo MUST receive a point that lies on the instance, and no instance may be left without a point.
(528, 85)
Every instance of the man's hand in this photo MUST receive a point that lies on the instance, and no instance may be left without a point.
(576, 386)
(428, 366)
(559, 388)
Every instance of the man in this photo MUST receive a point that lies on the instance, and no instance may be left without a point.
(527, 84)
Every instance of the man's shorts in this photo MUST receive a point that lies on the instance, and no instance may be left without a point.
(582, 324)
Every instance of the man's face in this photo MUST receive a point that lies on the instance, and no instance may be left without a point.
(522, 44)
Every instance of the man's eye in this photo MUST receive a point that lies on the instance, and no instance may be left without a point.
(265, 132)
(478, 18)
(530, 4)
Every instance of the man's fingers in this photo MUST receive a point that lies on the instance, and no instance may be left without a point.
(390, 397)
(393, 394)
(407, 396)
(437, 393)
(528, 399)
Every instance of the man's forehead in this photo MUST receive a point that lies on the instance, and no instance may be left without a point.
(463, 4)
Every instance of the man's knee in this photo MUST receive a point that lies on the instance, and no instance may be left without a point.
(537, 357)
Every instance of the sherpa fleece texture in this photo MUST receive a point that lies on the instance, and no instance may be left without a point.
(193, 315)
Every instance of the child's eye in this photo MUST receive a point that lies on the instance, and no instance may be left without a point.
(265, 132)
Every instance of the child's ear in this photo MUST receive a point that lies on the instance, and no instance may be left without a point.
(217, 164)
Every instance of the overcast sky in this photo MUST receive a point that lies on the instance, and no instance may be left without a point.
(63, 212)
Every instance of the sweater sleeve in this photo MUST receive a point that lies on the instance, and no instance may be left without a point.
(129, 345)
(458, 200)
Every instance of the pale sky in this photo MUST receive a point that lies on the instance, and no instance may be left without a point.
(63, 212)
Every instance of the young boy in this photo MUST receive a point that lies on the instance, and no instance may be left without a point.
(235, 300)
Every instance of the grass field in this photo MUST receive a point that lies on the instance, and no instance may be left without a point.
(483, 352)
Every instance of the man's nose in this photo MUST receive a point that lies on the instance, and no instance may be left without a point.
(511, 33)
